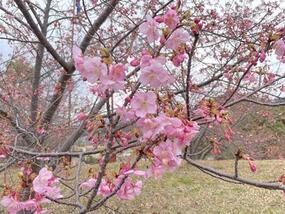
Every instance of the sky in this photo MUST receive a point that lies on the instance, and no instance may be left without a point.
(5, 49)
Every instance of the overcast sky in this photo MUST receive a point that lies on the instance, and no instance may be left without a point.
(5, 49)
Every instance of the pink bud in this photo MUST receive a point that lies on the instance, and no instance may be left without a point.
(262, 56)
(81, 116)
(135, 62)
(145, 52)
(127, 99)
(173, 7)
(252, 166)
(200, 25)
(196, 20)
(158, 19)
(41, 130)
(162, 40)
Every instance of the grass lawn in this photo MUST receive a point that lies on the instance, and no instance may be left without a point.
(190, 191)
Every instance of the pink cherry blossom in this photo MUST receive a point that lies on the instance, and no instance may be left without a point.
(135, 62)
(150, 128)
(125, 138)
(279, 47)
(269, 78)
(177, 131)
(93, 69)
(45, 184)
(262, 56)
(159, 19)
(202, 112)
(13, 205)
(3, 152)
(77, 57)
(150, 29)
(88, 184)
(99, 90)
(41, 130)
(105, 187)
(126, 115)
(108, 83)
(117, 72)
(250, 77)
(252, 166)
(148, 60)
(171, 127)
(167, 153)
(129, 190)
(127, 170)
(41, 211)
(178, 59)
(177, 38)
(228, 133)
(155, 76)
(156, 170)
(168, 125)
(115, 79)
(185, 135)
(90, 68)
(43, 158)
(171, 19)
(81, 116)
(144, 103)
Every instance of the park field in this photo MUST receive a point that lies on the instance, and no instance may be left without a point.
(188, 191)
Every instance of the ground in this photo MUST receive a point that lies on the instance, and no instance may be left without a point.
(190, 191)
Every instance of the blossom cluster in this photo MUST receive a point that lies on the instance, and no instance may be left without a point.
(45, 187)
(162, 135)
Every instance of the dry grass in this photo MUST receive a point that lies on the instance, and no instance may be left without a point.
(190, 191)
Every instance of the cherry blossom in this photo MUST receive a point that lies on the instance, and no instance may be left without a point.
(148, 60)
(144, 103)
(13, 205)
(171, 19)
(178, 59)
(90, 68)
(177, 38)
(150, 29)
(155, 76)
(88, 184)
(262, 56)
(129, 190)
(45, 184)
(105, 187)
(251, 164)
(156, 170)
(135, 62)
(279, 47)
(81, 116)
(126, 169)
(126, 115)
(144, 98)
(115, 79)
(150, 128)
(167, 153)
